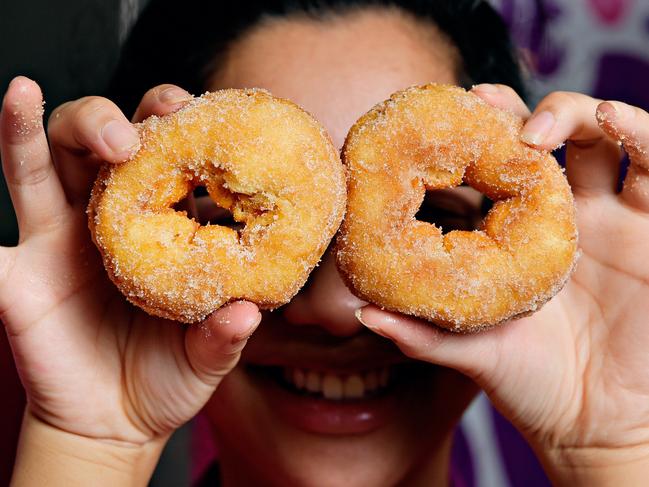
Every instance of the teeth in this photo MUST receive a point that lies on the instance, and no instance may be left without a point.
(332, 387)
(354, 387)
(335, 386)
(313, 381)
(299, 379)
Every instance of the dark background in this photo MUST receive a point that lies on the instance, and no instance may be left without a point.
(69, 47)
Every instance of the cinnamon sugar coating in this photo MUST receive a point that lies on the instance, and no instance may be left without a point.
(433, 137)
(264, 159)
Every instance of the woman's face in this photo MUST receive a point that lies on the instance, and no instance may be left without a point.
(317, 399)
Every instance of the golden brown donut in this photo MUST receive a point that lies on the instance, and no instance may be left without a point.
(264, 159)
(434, 137)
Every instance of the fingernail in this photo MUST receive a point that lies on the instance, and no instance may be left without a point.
(538, 127)
(172, 96)
(619, 110)
(359, 316)
(241, 338)
(485, 88)
(120, 137)
(606, 112)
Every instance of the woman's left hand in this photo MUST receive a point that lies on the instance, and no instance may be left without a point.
(574, 377)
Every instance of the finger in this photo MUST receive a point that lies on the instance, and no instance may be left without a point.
(562, 116)
(630, 126)
(503, 97)
(214, 347)
(160, 101)
(93, 125)
(83, 134)
(473, 355)
(593, 168)
(593, 159)
(35, 189)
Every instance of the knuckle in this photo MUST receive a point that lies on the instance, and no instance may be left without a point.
(413, 351)
(153, 94)
(32, 174)
(90, 106)
(211, 374)
(554, 98)
(512, 95)
(560, 100)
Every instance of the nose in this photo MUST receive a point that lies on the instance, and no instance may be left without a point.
(326, 302)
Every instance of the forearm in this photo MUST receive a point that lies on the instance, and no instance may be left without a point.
(49, 456)
(598, 467)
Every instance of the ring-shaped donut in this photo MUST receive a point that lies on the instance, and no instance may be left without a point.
(434, 137)
(264, 159)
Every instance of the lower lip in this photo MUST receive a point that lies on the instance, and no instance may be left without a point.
(327, 417)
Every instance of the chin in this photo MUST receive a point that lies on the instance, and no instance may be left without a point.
(272, 431)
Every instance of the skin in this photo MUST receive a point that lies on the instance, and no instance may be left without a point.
(570, 377)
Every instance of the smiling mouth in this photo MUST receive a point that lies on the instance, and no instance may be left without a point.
(340, 399)
(333, 386)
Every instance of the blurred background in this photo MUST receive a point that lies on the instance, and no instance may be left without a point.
(598, 47)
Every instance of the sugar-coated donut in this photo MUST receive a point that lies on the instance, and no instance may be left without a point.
(264, 159)
(434, 137)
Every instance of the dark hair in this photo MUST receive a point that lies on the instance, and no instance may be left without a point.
(181, 42)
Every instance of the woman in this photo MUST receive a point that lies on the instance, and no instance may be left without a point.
(107, 384)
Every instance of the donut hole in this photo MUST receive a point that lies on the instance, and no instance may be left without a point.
(461, 208)
(205, 210)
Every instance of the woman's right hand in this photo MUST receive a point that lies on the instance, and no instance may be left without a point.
(92, 364)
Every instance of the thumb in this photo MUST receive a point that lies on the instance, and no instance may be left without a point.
(474, 355)
(214, 346)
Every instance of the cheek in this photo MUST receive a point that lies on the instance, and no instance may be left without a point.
(234, 400)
